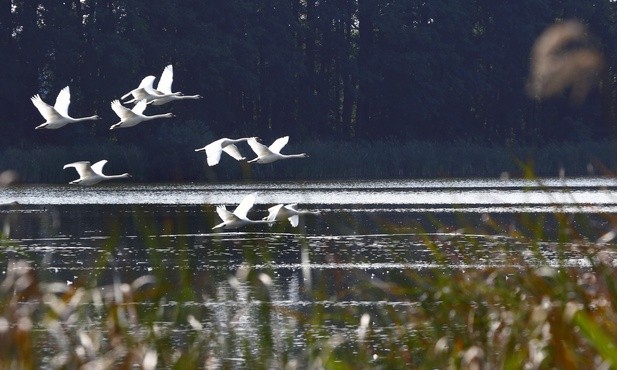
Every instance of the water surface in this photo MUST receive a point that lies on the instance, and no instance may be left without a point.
(367, 231)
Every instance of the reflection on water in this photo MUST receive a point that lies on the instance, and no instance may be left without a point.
(367, 232)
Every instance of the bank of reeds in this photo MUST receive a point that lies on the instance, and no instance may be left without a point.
(172, 159)
(528, 311)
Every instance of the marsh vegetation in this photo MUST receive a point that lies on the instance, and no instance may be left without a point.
(364, 285)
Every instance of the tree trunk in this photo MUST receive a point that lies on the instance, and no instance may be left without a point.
(366, 12)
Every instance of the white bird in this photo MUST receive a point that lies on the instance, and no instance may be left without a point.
(287, 211)
(273, 153)
(164, 87)
(238, 218)
(58, 115)
(145, 91)
(215, 148)
(132, 117)
(92, 174)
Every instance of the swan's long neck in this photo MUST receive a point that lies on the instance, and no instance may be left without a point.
(95, 117)
(179, 97)
(260, 221)
(155, 116)
(289, 156)
(122, 176)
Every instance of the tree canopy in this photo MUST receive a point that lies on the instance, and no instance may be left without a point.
(378, 69)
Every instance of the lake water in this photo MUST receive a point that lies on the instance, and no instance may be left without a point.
(366, 231)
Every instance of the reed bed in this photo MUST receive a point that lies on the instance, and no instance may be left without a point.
(527, 312)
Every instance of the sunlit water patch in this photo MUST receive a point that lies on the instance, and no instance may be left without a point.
(436, 193)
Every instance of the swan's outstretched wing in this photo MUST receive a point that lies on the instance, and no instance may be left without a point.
(245, 205)
(83, 168)
(141, 91)
(62, 102)
(140, 107)
(213, 152)
(138, 94)
(98, 167)
(224, 214)
(147, 82)
(294, 220)
(258, 147)
(273, 212)
(233, 151)
(167, 78)
(47, 111)
(121, 110)
(292, 214)
(278, 144)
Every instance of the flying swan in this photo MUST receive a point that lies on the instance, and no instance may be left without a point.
(58, 115)
(146, 92)
(215, 148)
(281, 212)
(92, 174)
(132, 117)
(238, 217)
(270, 154)
(164, 88)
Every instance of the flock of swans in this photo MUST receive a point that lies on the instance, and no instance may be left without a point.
(145, 94)
(57, 116)
(238, 218)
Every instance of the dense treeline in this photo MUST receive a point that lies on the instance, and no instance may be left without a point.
(401, 70)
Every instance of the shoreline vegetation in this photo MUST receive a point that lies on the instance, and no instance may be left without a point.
(548, 314)
(328, 160)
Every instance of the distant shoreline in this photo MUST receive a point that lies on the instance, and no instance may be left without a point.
(329, 160)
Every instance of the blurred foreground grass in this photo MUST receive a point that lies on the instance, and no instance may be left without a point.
(521, 315)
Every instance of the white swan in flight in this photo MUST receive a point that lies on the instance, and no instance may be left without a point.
(164, 87)
(132, 117)
(287, 211)
(58, 115)
(92, 174)
(238, 218)
(215, 148)
(145, 91)
(273, 152)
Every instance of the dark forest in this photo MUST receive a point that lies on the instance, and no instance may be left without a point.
(317, 70)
